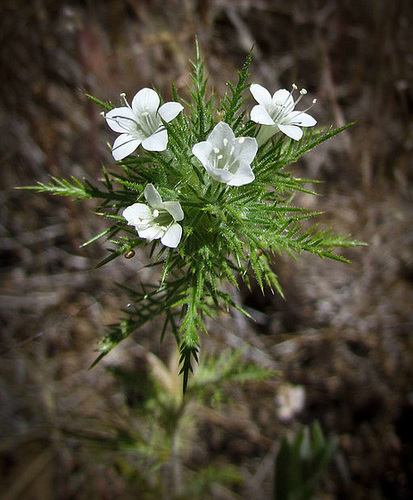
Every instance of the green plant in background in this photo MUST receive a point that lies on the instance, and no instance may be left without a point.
(209, 191)
(301, 462)
(150, 439)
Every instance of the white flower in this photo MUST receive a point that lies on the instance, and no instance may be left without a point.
(141, 123)
(158, 220)
(227, 158)
(277, 112)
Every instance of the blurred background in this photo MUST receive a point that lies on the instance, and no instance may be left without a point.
(341, 341)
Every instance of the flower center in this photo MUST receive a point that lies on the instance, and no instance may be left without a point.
(223, 158)
(162, 218)
(147, 123)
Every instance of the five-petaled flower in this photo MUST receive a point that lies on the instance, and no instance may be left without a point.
(141, 123)
(227, 158)
(158, 220)
(277, 112)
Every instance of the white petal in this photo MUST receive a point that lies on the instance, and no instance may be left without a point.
(124, 145)
(260, 115)
(284, 98)
(260, 94)
(150, 233)
(220, 132)
(202, 150)
(157, 141)
(145, 100)
(244, 175)
(170, 110)
(134, 213)
(175, 209)
(172, 237)
(292, 131)
(152, 196)
(302, 119)
(120, 119)
(245, 149)
(219, 174)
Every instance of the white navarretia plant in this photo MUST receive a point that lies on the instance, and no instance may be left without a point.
(218, 197)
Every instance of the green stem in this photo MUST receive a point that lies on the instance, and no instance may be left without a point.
(265, 132)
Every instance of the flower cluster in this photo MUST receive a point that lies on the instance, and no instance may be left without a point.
(215, 192)
(226, 158)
